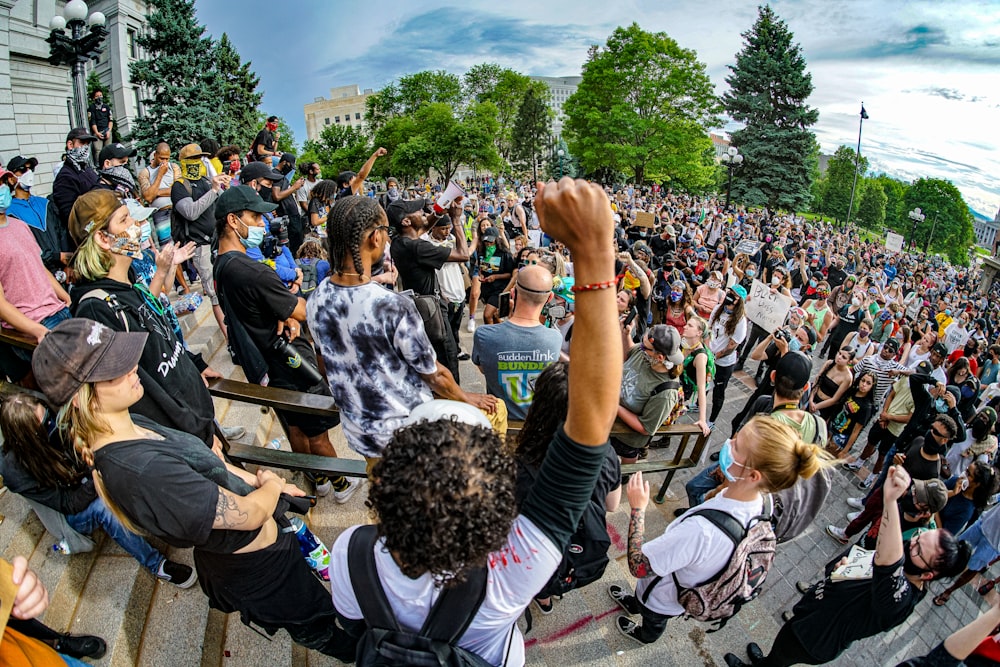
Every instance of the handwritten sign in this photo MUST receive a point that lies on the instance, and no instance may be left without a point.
(894, 242)
(748, 247)
(767, 310)
(643, 219)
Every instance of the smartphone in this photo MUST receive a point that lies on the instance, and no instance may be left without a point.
(503, 309)
(631, 316)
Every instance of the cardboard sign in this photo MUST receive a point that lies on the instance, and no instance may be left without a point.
(8, 591)
(748, 247)
(767, 310)
(643, 219)
(894, 242)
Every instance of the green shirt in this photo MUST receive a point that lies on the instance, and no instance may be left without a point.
(638, 382)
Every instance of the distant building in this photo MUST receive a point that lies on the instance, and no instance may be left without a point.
(36, 97)
(560, 88)
(346, 106)
(986, 232)
(720, 144)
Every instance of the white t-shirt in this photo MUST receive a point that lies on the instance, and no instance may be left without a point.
(720, 340)
(516, 573)
(692, 548)
(955, 336)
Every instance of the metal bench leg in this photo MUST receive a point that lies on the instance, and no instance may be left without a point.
(663, 487)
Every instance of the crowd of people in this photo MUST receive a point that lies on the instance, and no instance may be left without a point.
(883, 362)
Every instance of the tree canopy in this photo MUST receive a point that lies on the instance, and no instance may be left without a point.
(768, 89)
(644, 106)
(947, 227)
(835, 189)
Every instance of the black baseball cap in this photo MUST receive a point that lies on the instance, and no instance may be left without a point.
(19, 162)
(257, 170)
(80, 133)
(241, 198)
(796, 367)
(399, 209)
(940, 349)
(115, 151)
(288, 158)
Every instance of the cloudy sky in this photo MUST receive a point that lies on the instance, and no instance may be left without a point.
(927, 71)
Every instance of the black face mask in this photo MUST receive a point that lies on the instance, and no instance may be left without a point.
(932, 446)
(909, 566)
(980, 428)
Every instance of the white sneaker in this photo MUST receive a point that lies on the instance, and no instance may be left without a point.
(837, 534)
(856, 503)
(855, 464)
(472, 325)
(341, 497)
(851, 516)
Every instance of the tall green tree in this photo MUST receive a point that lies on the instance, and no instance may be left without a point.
(339, 148)
(836, 191)
(768, 89)
(871, 210)
(441, 140)
(894, 190)
(532, 128)
(947, 228)
(237, 96)
(178, 78)
(507, 90)
(643, 104)
(410, 93)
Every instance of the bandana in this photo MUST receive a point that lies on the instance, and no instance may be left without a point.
(194, 169)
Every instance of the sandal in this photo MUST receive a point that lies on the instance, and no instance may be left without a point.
(942, 600)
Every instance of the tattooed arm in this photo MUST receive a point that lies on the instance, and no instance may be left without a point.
(249, 512)
(638, 498)
(889, 547)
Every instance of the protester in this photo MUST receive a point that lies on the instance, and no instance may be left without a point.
(77, 174)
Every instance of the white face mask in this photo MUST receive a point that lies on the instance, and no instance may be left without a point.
(26, 180)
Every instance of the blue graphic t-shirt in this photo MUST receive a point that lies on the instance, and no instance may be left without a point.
(511, 358)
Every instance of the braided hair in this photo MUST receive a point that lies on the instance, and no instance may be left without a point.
(346, 223)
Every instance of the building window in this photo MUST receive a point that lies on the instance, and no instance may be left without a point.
(357, 116)
(336, 119)
(326, 121)
(133, 47)
(137, 101)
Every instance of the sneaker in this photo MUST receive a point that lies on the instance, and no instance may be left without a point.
(546, 607)
(341, 497)
(854, 465)
(868, 482)
(803, 587)
(233, 432)
(81, 646)
(857, 503)
(733, 660)
(837, 534)
(714, 456)
(624, 599)
(472, 325)
(680, 511)
(851, 516)
(787, 615)
(178, 574)
(322, 484)
(711, 426)
(629, 628)
(464, 356)
(987, 587)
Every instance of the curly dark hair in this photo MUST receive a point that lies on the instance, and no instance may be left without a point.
(346, 223)
(325, 191)
(443, 498)
(547, 411)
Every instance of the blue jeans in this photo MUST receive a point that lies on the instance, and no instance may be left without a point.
(98, 514)
(55, 318)
(701, 484)
(72, 662)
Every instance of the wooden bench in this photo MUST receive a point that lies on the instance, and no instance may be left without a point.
(17, 339)
(295, 401)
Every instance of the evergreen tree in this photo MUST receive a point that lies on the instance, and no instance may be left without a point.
(871, 210)
(532, 128)
(237, 96)
(769, 87)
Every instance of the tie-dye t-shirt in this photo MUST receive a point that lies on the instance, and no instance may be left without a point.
(375, 349)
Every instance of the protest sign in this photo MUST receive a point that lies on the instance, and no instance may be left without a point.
(765, 309)
(894, 242)
(748, 247)
(643, 219)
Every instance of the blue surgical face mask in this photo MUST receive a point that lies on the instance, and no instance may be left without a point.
(6, 197)
(726, 460)
(750, 273)
(794, 344)
(255, 236)
(145, 231)
(940, 405)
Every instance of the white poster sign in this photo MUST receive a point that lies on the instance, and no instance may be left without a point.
(765, 309)
(894, 242)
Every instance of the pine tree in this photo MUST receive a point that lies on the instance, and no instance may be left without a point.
(178, 78)
(237, 96)
(533, 127)
(769, 86)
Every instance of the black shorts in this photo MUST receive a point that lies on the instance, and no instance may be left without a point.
(284, 378)
(627, 451)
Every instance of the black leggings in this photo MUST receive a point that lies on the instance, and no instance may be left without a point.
(788, 650)
(722, 376)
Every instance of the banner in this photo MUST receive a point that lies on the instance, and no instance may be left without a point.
(643, 219)
(894, 242)
(748, 247)
(767, 310)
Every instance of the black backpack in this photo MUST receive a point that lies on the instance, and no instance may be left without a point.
(585, 557)
(309, 275)
(384, 642)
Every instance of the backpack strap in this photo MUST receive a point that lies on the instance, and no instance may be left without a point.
(455, 608)
(364, 579)
(663, 386)
(116, 307)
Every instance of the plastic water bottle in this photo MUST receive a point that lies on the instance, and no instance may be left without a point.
(315, 552)
(63, 548)
(274, 444)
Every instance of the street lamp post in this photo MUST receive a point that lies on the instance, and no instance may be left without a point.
(732, 159)
(77, 48)
(917, 216)
(560, 153)
(857, 161)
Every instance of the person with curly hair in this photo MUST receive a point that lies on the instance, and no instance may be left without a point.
(443, 493)
(320, 200)
(379, 362)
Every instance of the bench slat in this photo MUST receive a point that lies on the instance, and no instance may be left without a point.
(275, 458)
(17, 339)
(282, 399)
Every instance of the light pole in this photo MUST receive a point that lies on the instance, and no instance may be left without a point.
(732, 159)
(917, 216)
(857, 161)
(77, 48)
(927, 244)
(560, 153)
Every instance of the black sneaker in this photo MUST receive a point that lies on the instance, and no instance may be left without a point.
(624, 599)
(464, 356)
(545, 607)
(755, 652)
(732, 660)
(629, 628)
(81, 646)
(178, 574)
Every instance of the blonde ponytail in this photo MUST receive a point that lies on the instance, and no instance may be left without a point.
(777, 451)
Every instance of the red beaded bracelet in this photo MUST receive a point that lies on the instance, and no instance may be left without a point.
(593, 287)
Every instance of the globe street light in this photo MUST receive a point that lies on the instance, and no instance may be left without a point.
(77, 48)
(917, 216)
(560, 153)
(732, 159)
